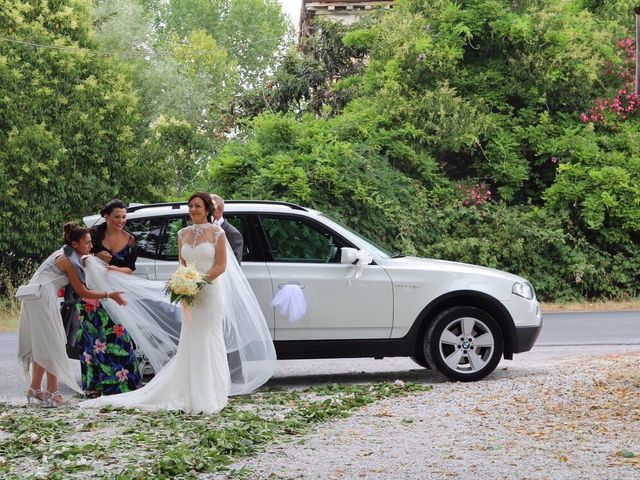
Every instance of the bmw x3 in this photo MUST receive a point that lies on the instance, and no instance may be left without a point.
(457, 319)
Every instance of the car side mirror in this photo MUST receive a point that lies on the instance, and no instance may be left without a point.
(348, 254)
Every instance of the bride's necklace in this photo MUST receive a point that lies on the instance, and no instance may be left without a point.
(198, 229)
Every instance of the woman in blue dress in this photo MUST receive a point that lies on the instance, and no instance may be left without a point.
(108, 361)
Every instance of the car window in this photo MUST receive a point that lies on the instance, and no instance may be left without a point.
(368, 244)
(169, 247)
(241, 223)
(294, 240)
(147, 232)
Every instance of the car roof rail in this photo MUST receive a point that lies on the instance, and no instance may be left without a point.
(140, 206)
(269, 202)
(176, 205)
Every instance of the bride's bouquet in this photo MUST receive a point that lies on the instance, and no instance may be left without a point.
(184, 284)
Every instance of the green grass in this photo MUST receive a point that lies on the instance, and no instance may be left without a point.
(591, 306)
(127, 444)
(9, 315)
(9, 304)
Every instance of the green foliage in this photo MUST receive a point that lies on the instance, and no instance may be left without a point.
(620, 13)
(510, 64)
(505, 164)
(534, 243)
(253, 32)
(316, 80)
(186, 76)
(12, 275)
(483, 92)
(320, 164)
(187, 60)
(133, 445)
(69, 126)
(375, 123)
(600, 185)
(179, 150)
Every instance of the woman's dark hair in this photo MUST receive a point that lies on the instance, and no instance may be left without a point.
(73, 232)
(111, 206)
(208, 203)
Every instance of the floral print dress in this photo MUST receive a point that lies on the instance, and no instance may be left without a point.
(108, 361)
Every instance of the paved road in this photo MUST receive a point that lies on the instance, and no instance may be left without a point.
(563, 335)
(590, 328)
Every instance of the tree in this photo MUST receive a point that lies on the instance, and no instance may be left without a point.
(70, 126)
(254, 32)
(314, 80)
(179, 149)
(190, 59)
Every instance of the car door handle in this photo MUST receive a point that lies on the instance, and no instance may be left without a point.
(282, 285)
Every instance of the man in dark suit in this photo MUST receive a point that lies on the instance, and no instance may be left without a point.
(233, 235)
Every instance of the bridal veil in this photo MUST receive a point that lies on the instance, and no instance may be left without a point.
(154, 323)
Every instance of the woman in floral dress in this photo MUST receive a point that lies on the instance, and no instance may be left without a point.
(108, 361)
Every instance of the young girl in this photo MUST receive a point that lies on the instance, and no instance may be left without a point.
(41, 336)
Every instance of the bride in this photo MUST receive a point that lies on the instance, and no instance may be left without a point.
(194, 371)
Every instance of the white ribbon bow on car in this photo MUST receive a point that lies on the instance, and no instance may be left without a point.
(290, 302)
(359, 258)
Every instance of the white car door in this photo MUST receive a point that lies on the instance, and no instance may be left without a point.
(307, 253)
(258, 276)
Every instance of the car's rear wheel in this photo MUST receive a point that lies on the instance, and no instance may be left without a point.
(463, 344)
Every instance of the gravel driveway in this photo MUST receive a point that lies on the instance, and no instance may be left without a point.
(548, 419)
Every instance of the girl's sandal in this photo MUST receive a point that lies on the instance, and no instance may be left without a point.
(54, 399)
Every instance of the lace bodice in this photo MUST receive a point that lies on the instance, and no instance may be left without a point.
(199, 245)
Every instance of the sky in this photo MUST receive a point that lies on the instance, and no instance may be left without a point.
(292, 8)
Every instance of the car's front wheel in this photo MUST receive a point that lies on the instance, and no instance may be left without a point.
(463, 344)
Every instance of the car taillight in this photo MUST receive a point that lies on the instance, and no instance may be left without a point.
(61, 292)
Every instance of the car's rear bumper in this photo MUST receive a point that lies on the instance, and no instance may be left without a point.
(526, 337)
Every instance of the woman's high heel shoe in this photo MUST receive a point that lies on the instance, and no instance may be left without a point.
(54, 399)
(34, 393)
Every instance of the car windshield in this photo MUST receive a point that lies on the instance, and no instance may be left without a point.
(368, 244)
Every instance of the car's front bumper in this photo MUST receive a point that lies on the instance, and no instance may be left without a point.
(525, 337)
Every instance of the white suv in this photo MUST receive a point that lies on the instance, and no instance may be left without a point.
(455, 318)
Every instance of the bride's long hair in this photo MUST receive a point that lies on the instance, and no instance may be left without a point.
(208, 203)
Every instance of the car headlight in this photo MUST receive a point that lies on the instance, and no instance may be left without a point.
(523, 289)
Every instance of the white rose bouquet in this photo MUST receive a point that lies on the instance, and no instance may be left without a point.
(184, 284)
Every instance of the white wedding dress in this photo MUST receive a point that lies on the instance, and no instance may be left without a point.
(196, 380)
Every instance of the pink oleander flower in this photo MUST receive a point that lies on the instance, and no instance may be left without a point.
(89, 306)
(118, 329)
(478, 194)
(624, 102)
(100, 347)
(122, 375)
(87, 358)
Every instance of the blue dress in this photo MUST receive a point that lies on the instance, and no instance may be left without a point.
(108, 361)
